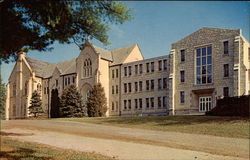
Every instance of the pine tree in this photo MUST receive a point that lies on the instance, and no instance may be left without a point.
(2, 99)
(97, 102)
(71, 104)
(35, 107)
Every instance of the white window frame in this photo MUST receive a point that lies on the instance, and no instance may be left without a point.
(204, 100)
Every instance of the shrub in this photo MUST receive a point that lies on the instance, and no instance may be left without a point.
(35, 107)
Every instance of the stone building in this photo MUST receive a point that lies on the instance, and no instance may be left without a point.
(208, 64)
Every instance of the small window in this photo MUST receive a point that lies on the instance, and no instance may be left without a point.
(125, 104)
(44, 90)
(147, 85)
(141, 68)
(47, 90)
(152, 102)
(140, 85)
(113, 74)
(160, 65)
(125, 87)
(164, 102)
(117, 73)
(165, 64)
(140, 103)
(125, 71)
(136, 103)
(129, 87)
(57, 82)
(152, 66)
(226, 46)
(147, 65)
(226, 70)
(159, 83)
(116, 87)
(147, 102)
(226, 91)
(182, 76)
(152, 84)
(159, 102)
(164, 83)
(113, 90)
(113, 106)
(129, 70)
(136, 86)
(136, 69)
(182, 55)
(73, 80)
(182, 97)
(129, 104)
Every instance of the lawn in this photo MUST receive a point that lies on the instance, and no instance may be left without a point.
(211, 125)
(13, 150)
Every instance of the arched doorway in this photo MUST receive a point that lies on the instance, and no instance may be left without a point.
(54, 109)
(86, 91)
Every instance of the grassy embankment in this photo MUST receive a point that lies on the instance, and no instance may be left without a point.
(211, 125)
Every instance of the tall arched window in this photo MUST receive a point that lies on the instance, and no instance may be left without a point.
(87, 68)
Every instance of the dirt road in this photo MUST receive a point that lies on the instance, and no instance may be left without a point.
(127, 143)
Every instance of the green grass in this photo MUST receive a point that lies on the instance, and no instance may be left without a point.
(13, 150)
(211, 125)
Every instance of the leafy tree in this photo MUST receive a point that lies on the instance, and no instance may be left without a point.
(2, 99)
(71, 104)
(97, 102)
(35, 107)
(36, 24)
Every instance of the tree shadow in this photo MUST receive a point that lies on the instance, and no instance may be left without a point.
(15, 134)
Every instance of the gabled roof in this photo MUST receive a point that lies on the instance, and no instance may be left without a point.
(120, 54)
(105, 54)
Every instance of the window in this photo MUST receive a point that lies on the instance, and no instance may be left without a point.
(226, 46)
(113, 74)
(57, 82)
(47, 90)
(129, 104)
(136, 103)
(160, 65)
(165, 64)
(140, 103)
(44, 90)
(205, 104)
(147, 85)
(125, 87)
(116, 88)
(164, 83)
(125, 104)
(125, 71)
(113, 106)
(152, 102)
(140, 85)
(226, 91)
(152, 66)
(136, 69)
(129, 87)
(136, 86)
(87, 68)
(129, 70)
(147, 102)
(116, 105)
(164, 102)
(26, 88)
(152, 84)
(117, 73)
(204, 65)
(73, 80)
(68, 80)
(113, 90)
(141, 68)
(182, 97)
(182, 76)
(159, 83)
(182, 55)
(147, 65)
(159, 102)
(226, 70)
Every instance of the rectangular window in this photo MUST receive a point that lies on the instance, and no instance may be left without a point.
(160, 65)
(68, 80)
(226, 47)
(165, 64)
(226, 91)
(152, 102)
(113, 74)
(117, 73)
(147, 102)
(159, 83)
(129, 87)
(44, 91)
(140, 103)
(113, 90)
(125, 104)
(113, 106)
(204, 65)
(74, 78)
(147, 85)
(205, 104)
(129, 70)
(147, 65)
(164, 83)
(136, 103)
(65, 81)
(57, 82)
(47, 90)
(125, 71)
(116, 87)
(182, 76)
(140, 86)
(125, 87)
(182, 97)
(129, 104)
(226, 70)
(152, 66)
(164, 102)
(116, 105)
(136, 86)
(141, 68)
(159, 102)
(152, 84)
(182, 55)
(136, 69)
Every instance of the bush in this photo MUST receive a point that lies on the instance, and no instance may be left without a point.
(35, 107)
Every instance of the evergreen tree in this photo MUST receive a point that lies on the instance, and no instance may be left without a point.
(71, 104)
(97, 102)
(2, 99)
(35, 107)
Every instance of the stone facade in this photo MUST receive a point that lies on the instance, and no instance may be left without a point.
(208, 64)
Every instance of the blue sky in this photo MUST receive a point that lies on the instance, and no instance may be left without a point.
(156, 25)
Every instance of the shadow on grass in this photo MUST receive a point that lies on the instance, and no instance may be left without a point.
(22, 153)
(15, 134)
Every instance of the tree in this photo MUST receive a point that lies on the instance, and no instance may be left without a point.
(55, 103)
(71, 104)
(97, 102)
(2, 99)
(35, 107)
(35, 25)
